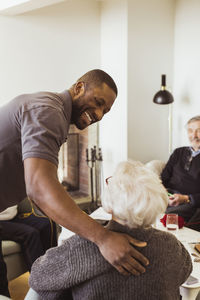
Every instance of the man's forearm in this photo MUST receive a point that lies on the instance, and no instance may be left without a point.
(57, 204)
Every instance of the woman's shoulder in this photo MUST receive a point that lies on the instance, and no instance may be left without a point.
(168, 242)
(78, 242)
(165, 236)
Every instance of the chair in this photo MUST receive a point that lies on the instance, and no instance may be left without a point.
(4, 298)
(12, 253)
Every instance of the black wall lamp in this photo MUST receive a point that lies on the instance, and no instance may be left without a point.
(163, 96)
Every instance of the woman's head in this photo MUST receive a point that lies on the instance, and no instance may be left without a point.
(134, 195)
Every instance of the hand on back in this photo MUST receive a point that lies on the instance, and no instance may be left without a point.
(118, 250)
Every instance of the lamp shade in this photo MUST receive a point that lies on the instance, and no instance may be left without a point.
(163, 96)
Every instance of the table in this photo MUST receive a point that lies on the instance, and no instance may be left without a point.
(185, 235)
(188, 238)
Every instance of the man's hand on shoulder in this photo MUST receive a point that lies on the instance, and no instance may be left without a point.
(118, 250)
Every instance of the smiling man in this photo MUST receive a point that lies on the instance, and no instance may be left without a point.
(32, 129)
(91, 101)
(181, 176)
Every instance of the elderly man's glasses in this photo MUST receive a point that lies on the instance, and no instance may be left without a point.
(107, 179)
(188, 163)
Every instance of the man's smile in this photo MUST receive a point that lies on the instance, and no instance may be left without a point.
(88, 116)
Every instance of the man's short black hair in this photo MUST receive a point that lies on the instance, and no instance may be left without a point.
(98, 77)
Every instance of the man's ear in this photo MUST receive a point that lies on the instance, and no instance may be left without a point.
(79, 88)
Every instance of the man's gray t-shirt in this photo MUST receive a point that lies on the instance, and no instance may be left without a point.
(31, 125)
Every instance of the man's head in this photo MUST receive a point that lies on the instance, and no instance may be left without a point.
(92, 96)
(193, 131)
(134, 195)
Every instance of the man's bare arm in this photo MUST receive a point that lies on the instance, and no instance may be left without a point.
(49, 195)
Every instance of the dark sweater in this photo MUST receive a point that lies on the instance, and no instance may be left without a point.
(77, 263)
(179, 180)
(175, 177)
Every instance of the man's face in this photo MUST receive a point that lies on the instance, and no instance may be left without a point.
(193, 130)
(90, 105)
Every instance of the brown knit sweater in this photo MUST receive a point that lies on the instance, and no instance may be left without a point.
(78, 264)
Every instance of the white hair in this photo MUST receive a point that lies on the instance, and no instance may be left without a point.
(193, 119)
(135, 195)
(156, 166)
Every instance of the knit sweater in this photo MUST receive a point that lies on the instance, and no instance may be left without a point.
(78, 264)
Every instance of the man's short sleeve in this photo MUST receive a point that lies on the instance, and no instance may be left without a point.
(43, 131)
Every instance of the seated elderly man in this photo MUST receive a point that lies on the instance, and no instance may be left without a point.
(135, 197)
(181, 176)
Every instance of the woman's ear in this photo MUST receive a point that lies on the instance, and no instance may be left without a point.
(79, 88)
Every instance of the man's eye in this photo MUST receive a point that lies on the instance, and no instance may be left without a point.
(98, 102)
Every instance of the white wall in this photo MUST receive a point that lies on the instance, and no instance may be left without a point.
(113, 128)
(187, 68)
(150, 54)
(49, 48)
(137, 44)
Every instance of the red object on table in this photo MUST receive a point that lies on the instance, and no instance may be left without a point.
(181, 221)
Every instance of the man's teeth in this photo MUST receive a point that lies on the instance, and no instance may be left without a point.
(88, 116)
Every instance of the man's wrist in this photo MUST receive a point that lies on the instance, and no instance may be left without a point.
(101, 235)
(98, 234)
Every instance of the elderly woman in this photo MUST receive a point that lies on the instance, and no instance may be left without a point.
(135, 197)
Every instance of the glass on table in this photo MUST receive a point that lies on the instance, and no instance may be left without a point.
(172, 222)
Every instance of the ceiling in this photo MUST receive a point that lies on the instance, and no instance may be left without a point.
(15, 7)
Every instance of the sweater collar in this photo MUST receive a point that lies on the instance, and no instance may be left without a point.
(143, 234)
(194, 153)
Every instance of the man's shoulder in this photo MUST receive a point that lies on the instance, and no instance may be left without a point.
(40, 99)
(181, 150)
